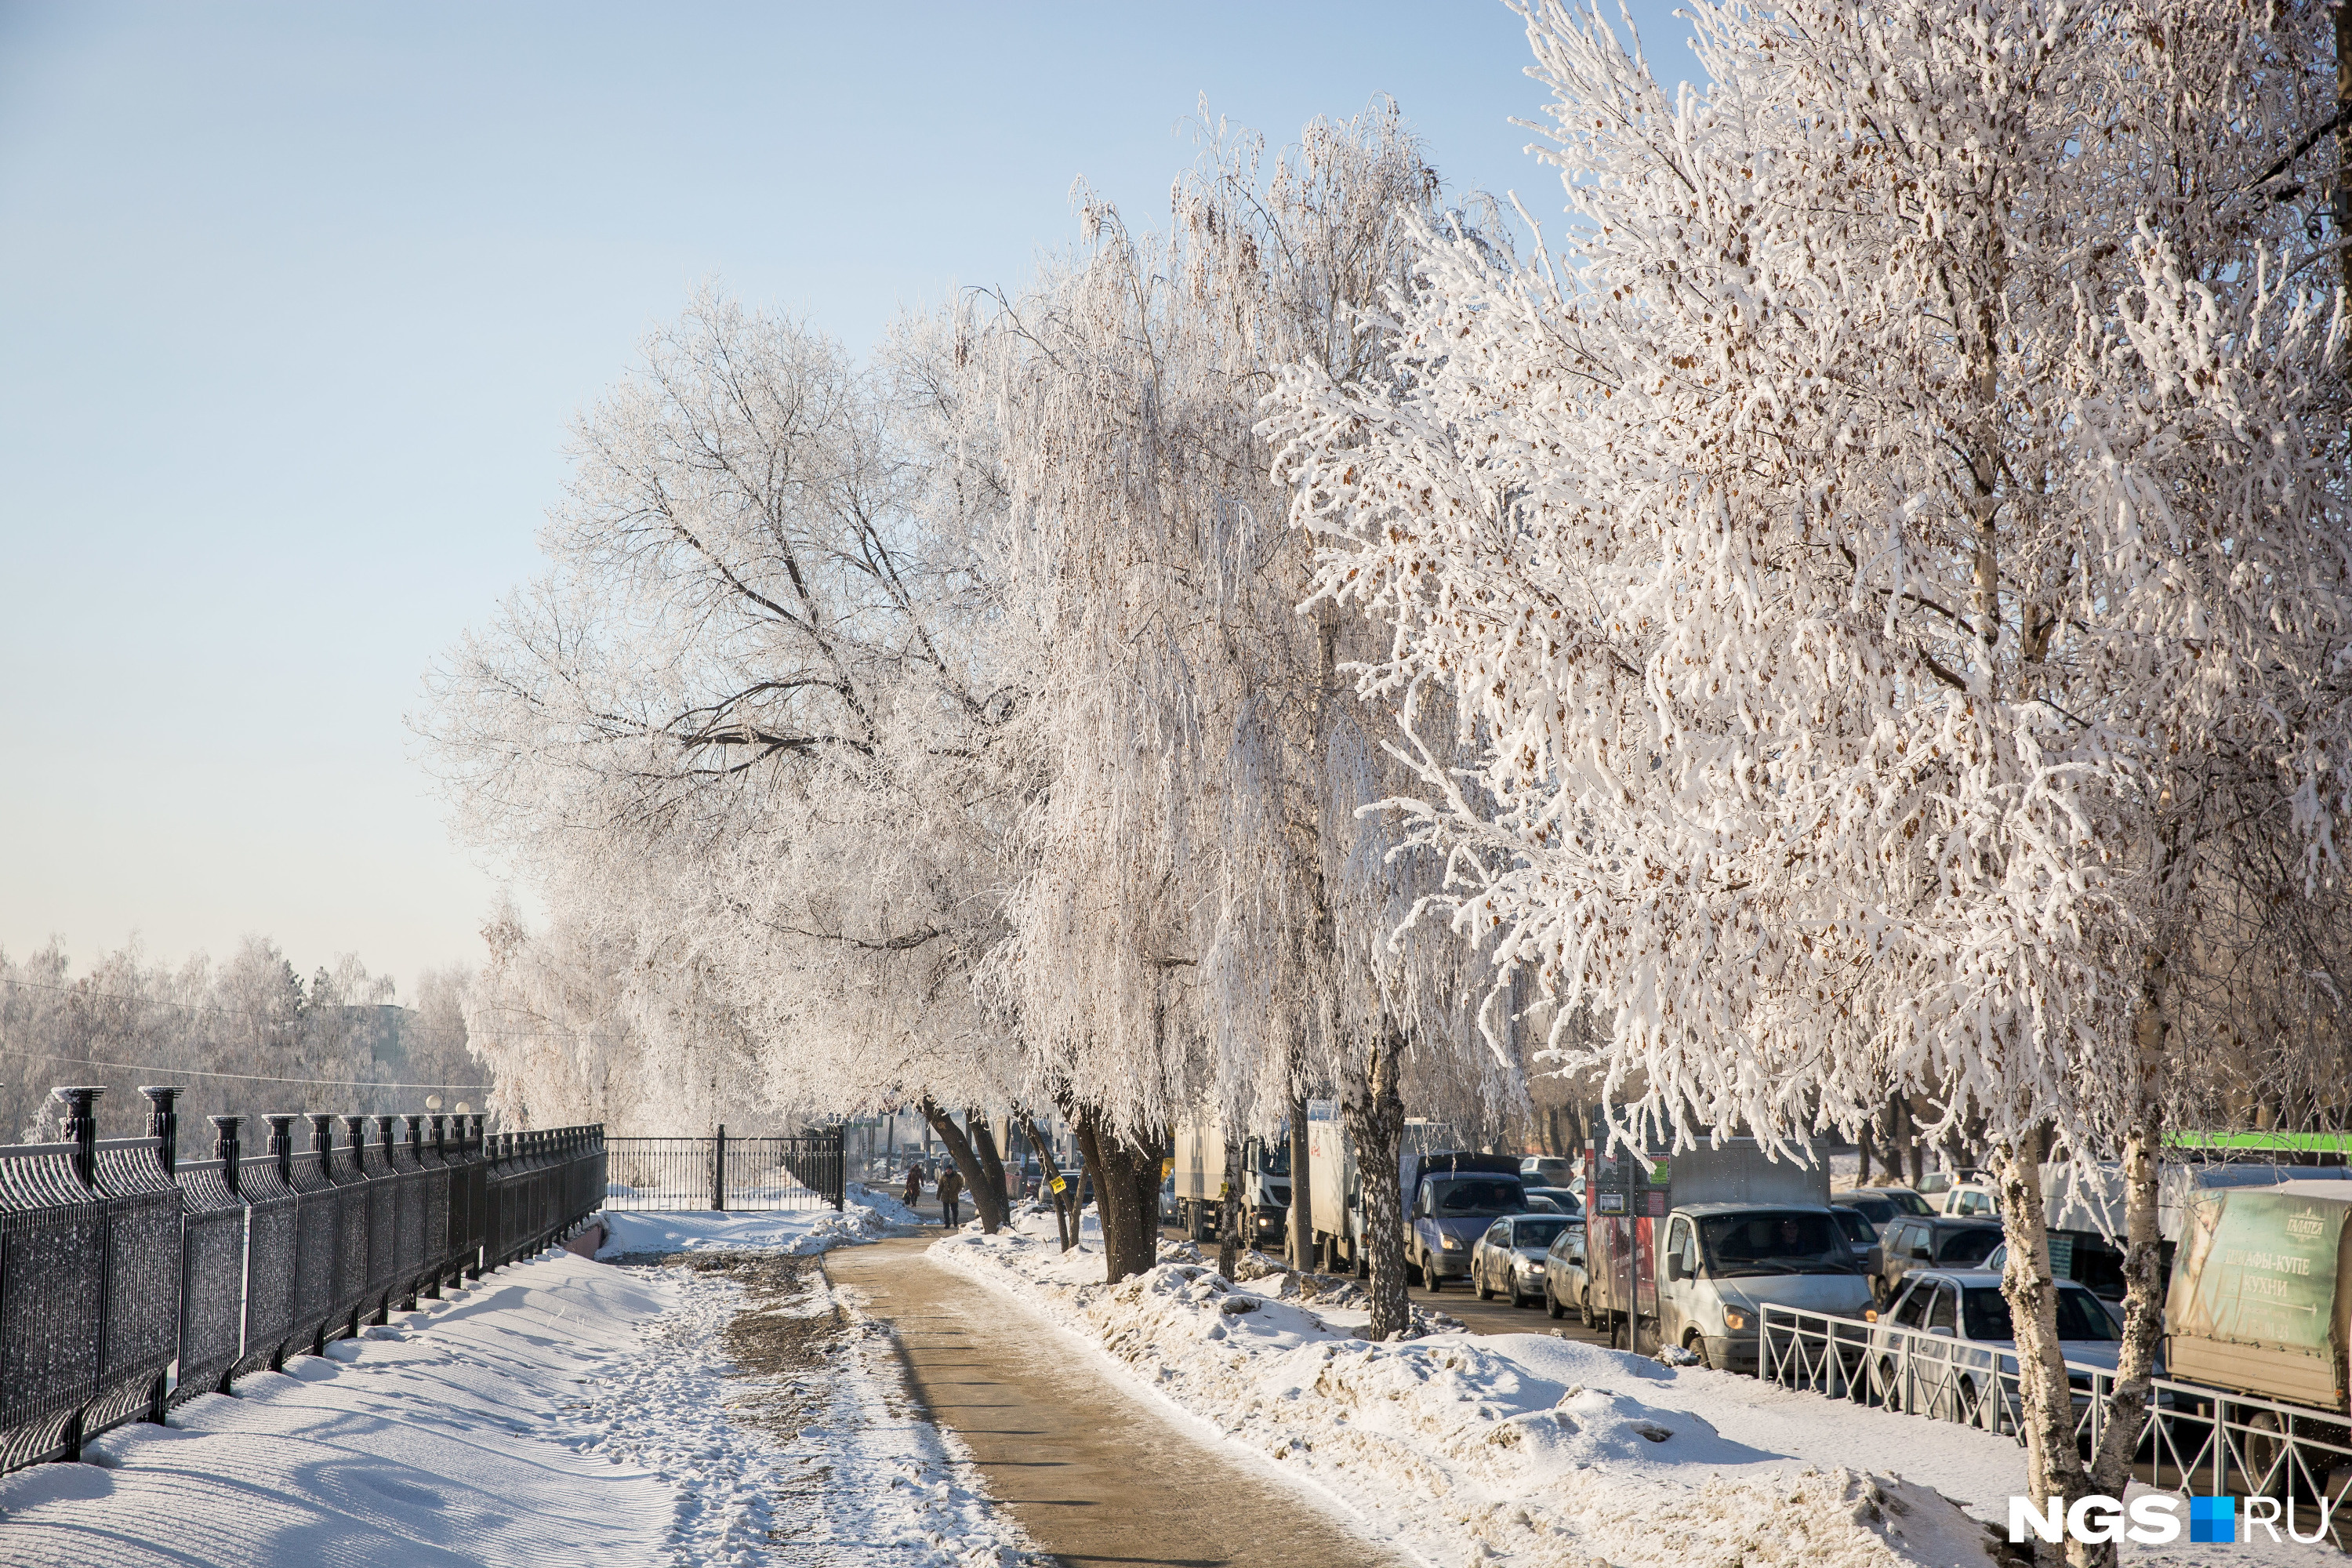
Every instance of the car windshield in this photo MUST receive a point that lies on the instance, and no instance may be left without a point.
(1468, 1197)
(1855, 1224)
(1876, 1210)
(1550, 1169)
(2080, 1317)
(1910, 1203)
(1965, 1246)
(1537, 1232)
(1774, 1242)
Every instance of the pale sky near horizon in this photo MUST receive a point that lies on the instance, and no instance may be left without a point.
(296, 303)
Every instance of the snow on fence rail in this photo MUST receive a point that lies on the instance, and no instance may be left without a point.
(795, 1170)
(2196, 1438)
(120, 1263)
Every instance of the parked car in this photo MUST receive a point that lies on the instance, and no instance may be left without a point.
(1970, 1200)
(1508, 1260)
(1547, 1170)
(1566, 1287)
(1881, 1206)
(1966, 1306)
(1935, 1242)
(1168, 1200)
(1452, 1207)
(1563, 1199)
(1862, 1235)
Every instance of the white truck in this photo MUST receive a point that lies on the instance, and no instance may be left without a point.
(1334, 1200)
(1688, 1251)
(1198, 1174)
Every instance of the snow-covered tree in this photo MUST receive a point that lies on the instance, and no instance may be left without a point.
(1915, 469)
(1206, 923)
(742, 730)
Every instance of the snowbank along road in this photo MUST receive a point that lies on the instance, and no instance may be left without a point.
(724, 1410)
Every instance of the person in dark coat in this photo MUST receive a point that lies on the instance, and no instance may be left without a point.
(951, 1191)
(914, 1184)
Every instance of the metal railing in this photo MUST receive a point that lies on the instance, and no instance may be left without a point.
(796, 1170)
(2194, 1438)
(130, 1280)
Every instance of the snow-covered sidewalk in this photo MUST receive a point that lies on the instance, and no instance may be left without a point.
(561, 1411)
(1535, 1449)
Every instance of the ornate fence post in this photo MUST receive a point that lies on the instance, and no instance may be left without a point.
(81, 1132)
(225, 1148)
(164, 1120)
(719, 1170)
(478, 1202)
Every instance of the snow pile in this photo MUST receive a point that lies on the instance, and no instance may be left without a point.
(795, 1232)
(884, 1204)
(558, 1411)
(1535, 1447)
(399, 1447)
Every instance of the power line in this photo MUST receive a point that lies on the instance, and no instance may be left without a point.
(246, 1077)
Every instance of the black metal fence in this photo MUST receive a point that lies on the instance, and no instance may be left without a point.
(130, 1280)
(797, 1170)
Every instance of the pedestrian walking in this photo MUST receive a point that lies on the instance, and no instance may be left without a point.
(951, 1191)
(914, 1183)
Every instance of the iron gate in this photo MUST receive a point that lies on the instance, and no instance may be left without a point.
(795, 1170)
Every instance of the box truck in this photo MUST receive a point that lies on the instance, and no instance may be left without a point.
(1689, 1250)
(1198, 1174)
(1335, 1204)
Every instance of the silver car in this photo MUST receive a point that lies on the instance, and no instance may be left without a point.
(1958, 1378)
(1508, 1260)
(1565, 1286)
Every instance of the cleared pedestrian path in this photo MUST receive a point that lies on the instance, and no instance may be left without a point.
(1095, 1474)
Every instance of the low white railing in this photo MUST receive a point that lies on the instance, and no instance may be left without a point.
(2194, 1439)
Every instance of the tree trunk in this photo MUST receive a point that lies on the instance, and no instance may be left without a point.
(1372, 1112)
(983, 1145)
(2143, 1247)
(1302, 1209)
(1065, 1203)
(2046, 1405)
(1126, 1194)
(967, 1164)
(1864, 1147)
(1229, 1207)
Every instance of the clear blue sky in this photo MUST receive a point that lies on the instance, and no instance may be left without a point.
(295, 301)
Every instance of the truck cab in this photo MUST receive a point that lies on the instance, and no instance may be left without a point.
(1685, 1249)
(1723, 1263)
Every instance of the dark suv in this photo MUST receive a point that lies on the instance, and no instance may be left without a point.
(1942, 1242)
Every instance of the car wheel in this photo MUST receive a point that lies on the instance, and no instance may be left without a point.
(1891, 1387)
(1695, 1344)
(1551, 1303)
(1430, 1276)
(1478, 1284)
(1584, 1308)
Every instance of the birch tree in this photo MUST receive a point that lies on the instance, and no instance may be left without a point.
(1918, 464)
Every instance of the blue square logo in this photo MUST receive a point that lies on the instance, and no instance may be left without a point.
(2213, 1518)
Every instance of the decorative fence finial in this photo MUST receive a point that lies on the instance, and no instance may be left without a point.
(82, 1128)
(225, 1147)
(164, 1120)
